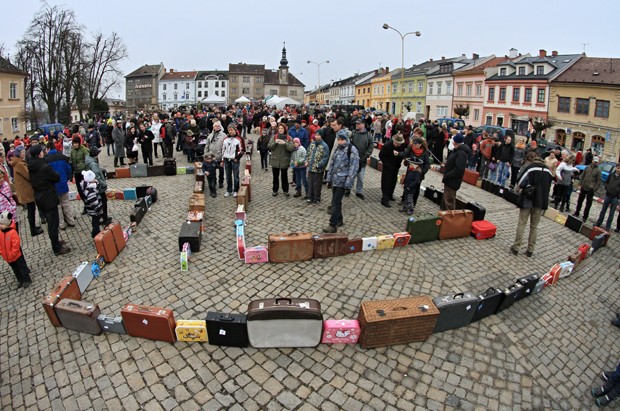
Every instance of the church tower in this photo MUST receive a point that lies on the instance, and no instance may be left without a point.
(283, 69)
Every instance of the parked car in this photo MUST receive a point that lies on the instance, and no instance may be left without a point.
(501, 132)
(607, 167)
(50, 129)
(451, 122)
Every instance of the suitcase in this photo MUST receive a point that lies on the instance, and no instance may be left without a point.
(110, 194)
(152, 192)
(497, 189)
(79, 315)
(152, 323)
(191, 331)
(240, 243)
(199, 174)
(566, 269)
(596, 231)
(455, 311)
(380, 167)
(528, 282)
(66, 288)
(575, 258)
(560, 219)
(433, 194)
(111, 324)
(539, 285)
(110, 175)
(574, 223)
(551, 213)
(245, 182)
(423, 228)
(292, 247)
(181, 170)
(340, 332)
(330, 245)
(189, 170)
(105, 245)
(285, 322)
(199, 187)
(553, 275)
(455, 224)
(385, 242)
(369, 243)
(511, 295)
(117, 235)
(149, 202)
(137, 170)
(142, 190)
(401, 239)
(488, 303)
(478, 210)
(248, 166)
(511, 196)
(400, 321)
(192, 234)
(460, 204)
(137, 214)
(197, 202)
(355, 245)
(227, 329)
(155, 171)
(598, 242)
(585, 250)
(195, 216)
(130, 194)
(471, 177)
(242, 197)
(119, 195)
(586, 231)
(170, 167)
(84, 275)
(374, 162)
(122, 172)
(257, 254)
(485, 184)
(197, 166)
(240, 214)
(186, 253)
(501, 190)
(484, 229)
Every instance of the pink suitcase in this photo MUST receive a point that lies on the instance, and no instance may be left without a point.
(258, 254)
(401, 239)
(340, 332)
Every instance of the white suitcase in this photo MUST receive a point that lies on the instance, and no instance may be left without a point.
(84, 275)
(369, 243)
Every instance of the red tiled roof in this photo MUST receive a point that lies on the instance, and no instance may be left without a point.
(593, 70)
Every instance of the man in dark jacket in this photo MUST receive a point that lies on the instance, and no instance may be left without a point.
(93, 138)
(391, 165)
(363, 141)
(43, 179)
(590, 182)
(454, 171)
(60, 164)
(612, 193)
(505, 156)
(534, 182)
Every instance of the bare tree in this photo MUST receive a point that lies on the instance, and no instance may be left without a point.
(102, 66)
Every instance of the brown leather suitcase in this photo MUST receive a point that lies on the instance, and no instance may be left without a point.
(330, 245)
(355, 245)
(197, 166)
(122, 172)
(66, 288)
(245, 181)
(455, 224)
(242, 197)
(284, 248)
(79, 316)
(197, 202)
(105, 245)
(199, 187)
(117, 235)
(399, 321)
(153, 323)
(471, 177)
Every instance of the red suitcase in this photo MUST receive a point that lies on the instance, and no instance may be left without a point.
(245, 182)
(355, 245)
(584, 250)
(596, 231)
(483, 229)
(401, 239)
(470, 177)
(66, 288)
(152, 323)
(105, 245)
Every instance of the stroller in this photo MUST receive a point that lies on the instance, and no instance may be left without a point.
(200, 147)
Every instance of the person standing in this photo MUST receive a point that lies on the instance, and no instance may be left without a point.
(363, 142)
(145, 138)
(317, 158)
(391, 164)
(299, 164)
(262, 143)
(11, 250)
(231, 154)
(454, 171)
(417, 162)
(60, 164)
(169, 136)
(517, 162)
(155, 129)
(215, 140)
(564, 174)
(78, 164)
(486, 150)
(301, 133)
(590, 182)
(533, 183)
(612, 191)
(340, 176)
(43, 179)
(23, 187)
(93, 165)
(92, 201)
(281, 146)
(118, 138)
(505, 156)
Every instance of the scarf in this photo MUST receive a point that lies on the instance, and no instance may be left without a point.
(418, 151)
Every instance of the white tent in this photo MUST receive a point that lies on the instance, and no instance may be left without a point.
(216, 100)
(242, 99)
(280, 102)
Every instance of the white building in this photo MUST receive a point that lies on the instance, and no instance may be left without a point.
(347, 87)
(177, 88)
(211, 83)
(439, 86)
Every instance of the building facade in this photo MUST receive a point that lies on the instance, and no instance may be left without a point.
(141, 87)
(246, 80)
(176, 89)
(12, 100)
(381, 90)
(584, 107)
(211, 83)
(363, 93)
(439, 83)
(282, 83)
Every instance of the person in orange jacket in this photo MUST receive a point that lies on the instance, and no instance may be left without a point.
(10, 248)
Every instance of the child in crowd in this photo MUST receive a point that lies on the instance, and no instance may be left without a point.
(92, 201)
(209, 166)
(474, 158)
(11, 250)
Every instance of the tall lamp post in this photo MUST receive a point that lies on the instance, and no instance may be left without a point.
(402, 66)
(318, 70)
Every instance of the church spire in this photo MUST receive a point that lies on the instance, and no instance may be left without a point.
(284, 61)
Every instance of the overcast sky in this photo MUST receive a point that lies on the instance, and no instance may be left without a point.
(195, 35)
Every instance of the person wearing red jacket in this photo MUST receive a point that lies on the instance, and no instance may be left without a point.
(10, 248)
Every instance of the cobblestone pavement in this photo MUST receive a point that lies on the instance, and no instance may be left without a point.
(543, 353)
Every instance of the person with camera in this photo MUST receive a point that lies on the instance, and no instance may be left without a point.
(534, 183)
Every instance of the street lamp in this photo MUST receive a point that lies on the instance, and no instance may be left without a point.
(402, 67)
(318, 69)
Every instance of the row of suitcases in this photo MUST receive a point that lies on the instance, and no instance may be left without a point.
(168, 168)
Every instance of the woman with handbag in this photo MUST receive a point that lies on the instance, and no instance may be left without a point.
(417, 162)
(132, 147)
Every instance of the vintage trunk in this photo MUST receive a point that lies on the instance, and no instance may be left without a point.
(79, 315)
(190, 233)
(290, 247)
(330, 245)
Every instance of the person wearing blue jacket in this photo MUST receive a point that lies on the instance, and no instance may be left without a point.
(301, 133)
(60, 163)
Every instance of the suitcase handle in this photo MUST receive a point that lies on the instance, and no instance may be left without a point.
(74, 304)
(226, 317)
(284, 299)
(459, 295)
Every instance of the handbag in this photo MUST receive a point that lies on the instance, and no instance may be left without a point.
(136, 146)
(492, 166)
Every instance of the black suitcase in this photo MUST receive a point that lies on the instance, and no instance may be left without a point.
(433, 194)
(511, 196)
(142, 190)
(478, 210)
(455, 311)
(138, 212)
(574, 223)
(170, 167)
(485, 184)
(598, 242)
(227, 329)
(528, 282)
(511, 295)
(152, 191)
(488, 303)
(497, 189)
(374, 162)
(190, 233)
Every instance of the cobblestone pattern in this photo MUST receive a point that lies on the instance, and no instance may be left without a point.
(543, 353)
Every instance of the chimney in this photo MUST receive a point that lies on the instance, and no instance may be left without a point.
(512, 53)
(554, 53)
(475, 56)
(443, 57)
(430, 60)
(387, 69)
(376, 72)
(171, 71)
(542, 53)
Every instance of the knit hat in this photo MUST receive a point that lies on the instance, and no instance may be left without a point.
(6, 218)
(89, 176)
(35, 150)
(342, 134)
(18, 150)
(595, 159)
(93, 152)
(458, 139)
(296, 140)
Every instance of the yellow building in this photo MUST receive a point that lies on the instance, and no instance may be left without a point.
(12, 100)
(381, 91)
(363, 94)
(584, 107)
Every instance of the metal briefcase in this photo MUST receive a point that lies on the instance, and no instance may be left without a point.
(111, 324)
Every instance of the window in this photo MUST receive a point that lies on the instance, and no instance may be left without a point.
(583, 106)
(516, 93)
(246, 79)
(13, 90)
(502, 71)
(186, 86)
(245, 91)
(502, 94)
(273, 92)
(233, 79)
(602, 109)
(199, 93)
(491, 93)
(430, 88)
(489, 120)
(164, 97)
(175, 86)
(223, 84)
(223, 93)
(200, 84)
(528, 95)
(217, 93)
(442, 111)
(540, 69)
(448, 87)
(206, 94)
(410, 87)
(564, 104)
(394, 87)
(176, 96)
(468, 90)
(478, 89)
(293, 92)
(164, 88)
(217, 84)
(187, 96)
(541, 96)
(476, 114)
(459, 89)
(14, 125)
(258, 79)
(420, 86)
(259, 91)
(439, 87)
(418, 107)
(234, 90)
(522, 71)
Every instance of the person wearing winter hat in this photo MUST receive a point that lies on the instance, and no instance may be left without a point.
(11, 250)
(299, 164)
(454, 171)
(102, 185)
(231, 155)
(281, 147)
(215, 140)
(92, 200)
(78, 163)
(60, 164)
(209, 167)
(23, 187)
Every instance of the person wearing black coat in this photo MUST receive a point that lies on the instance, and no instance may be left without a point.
(417, 160)
(43, 179)
(454, 171)
(391, 165)
(145, 138)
